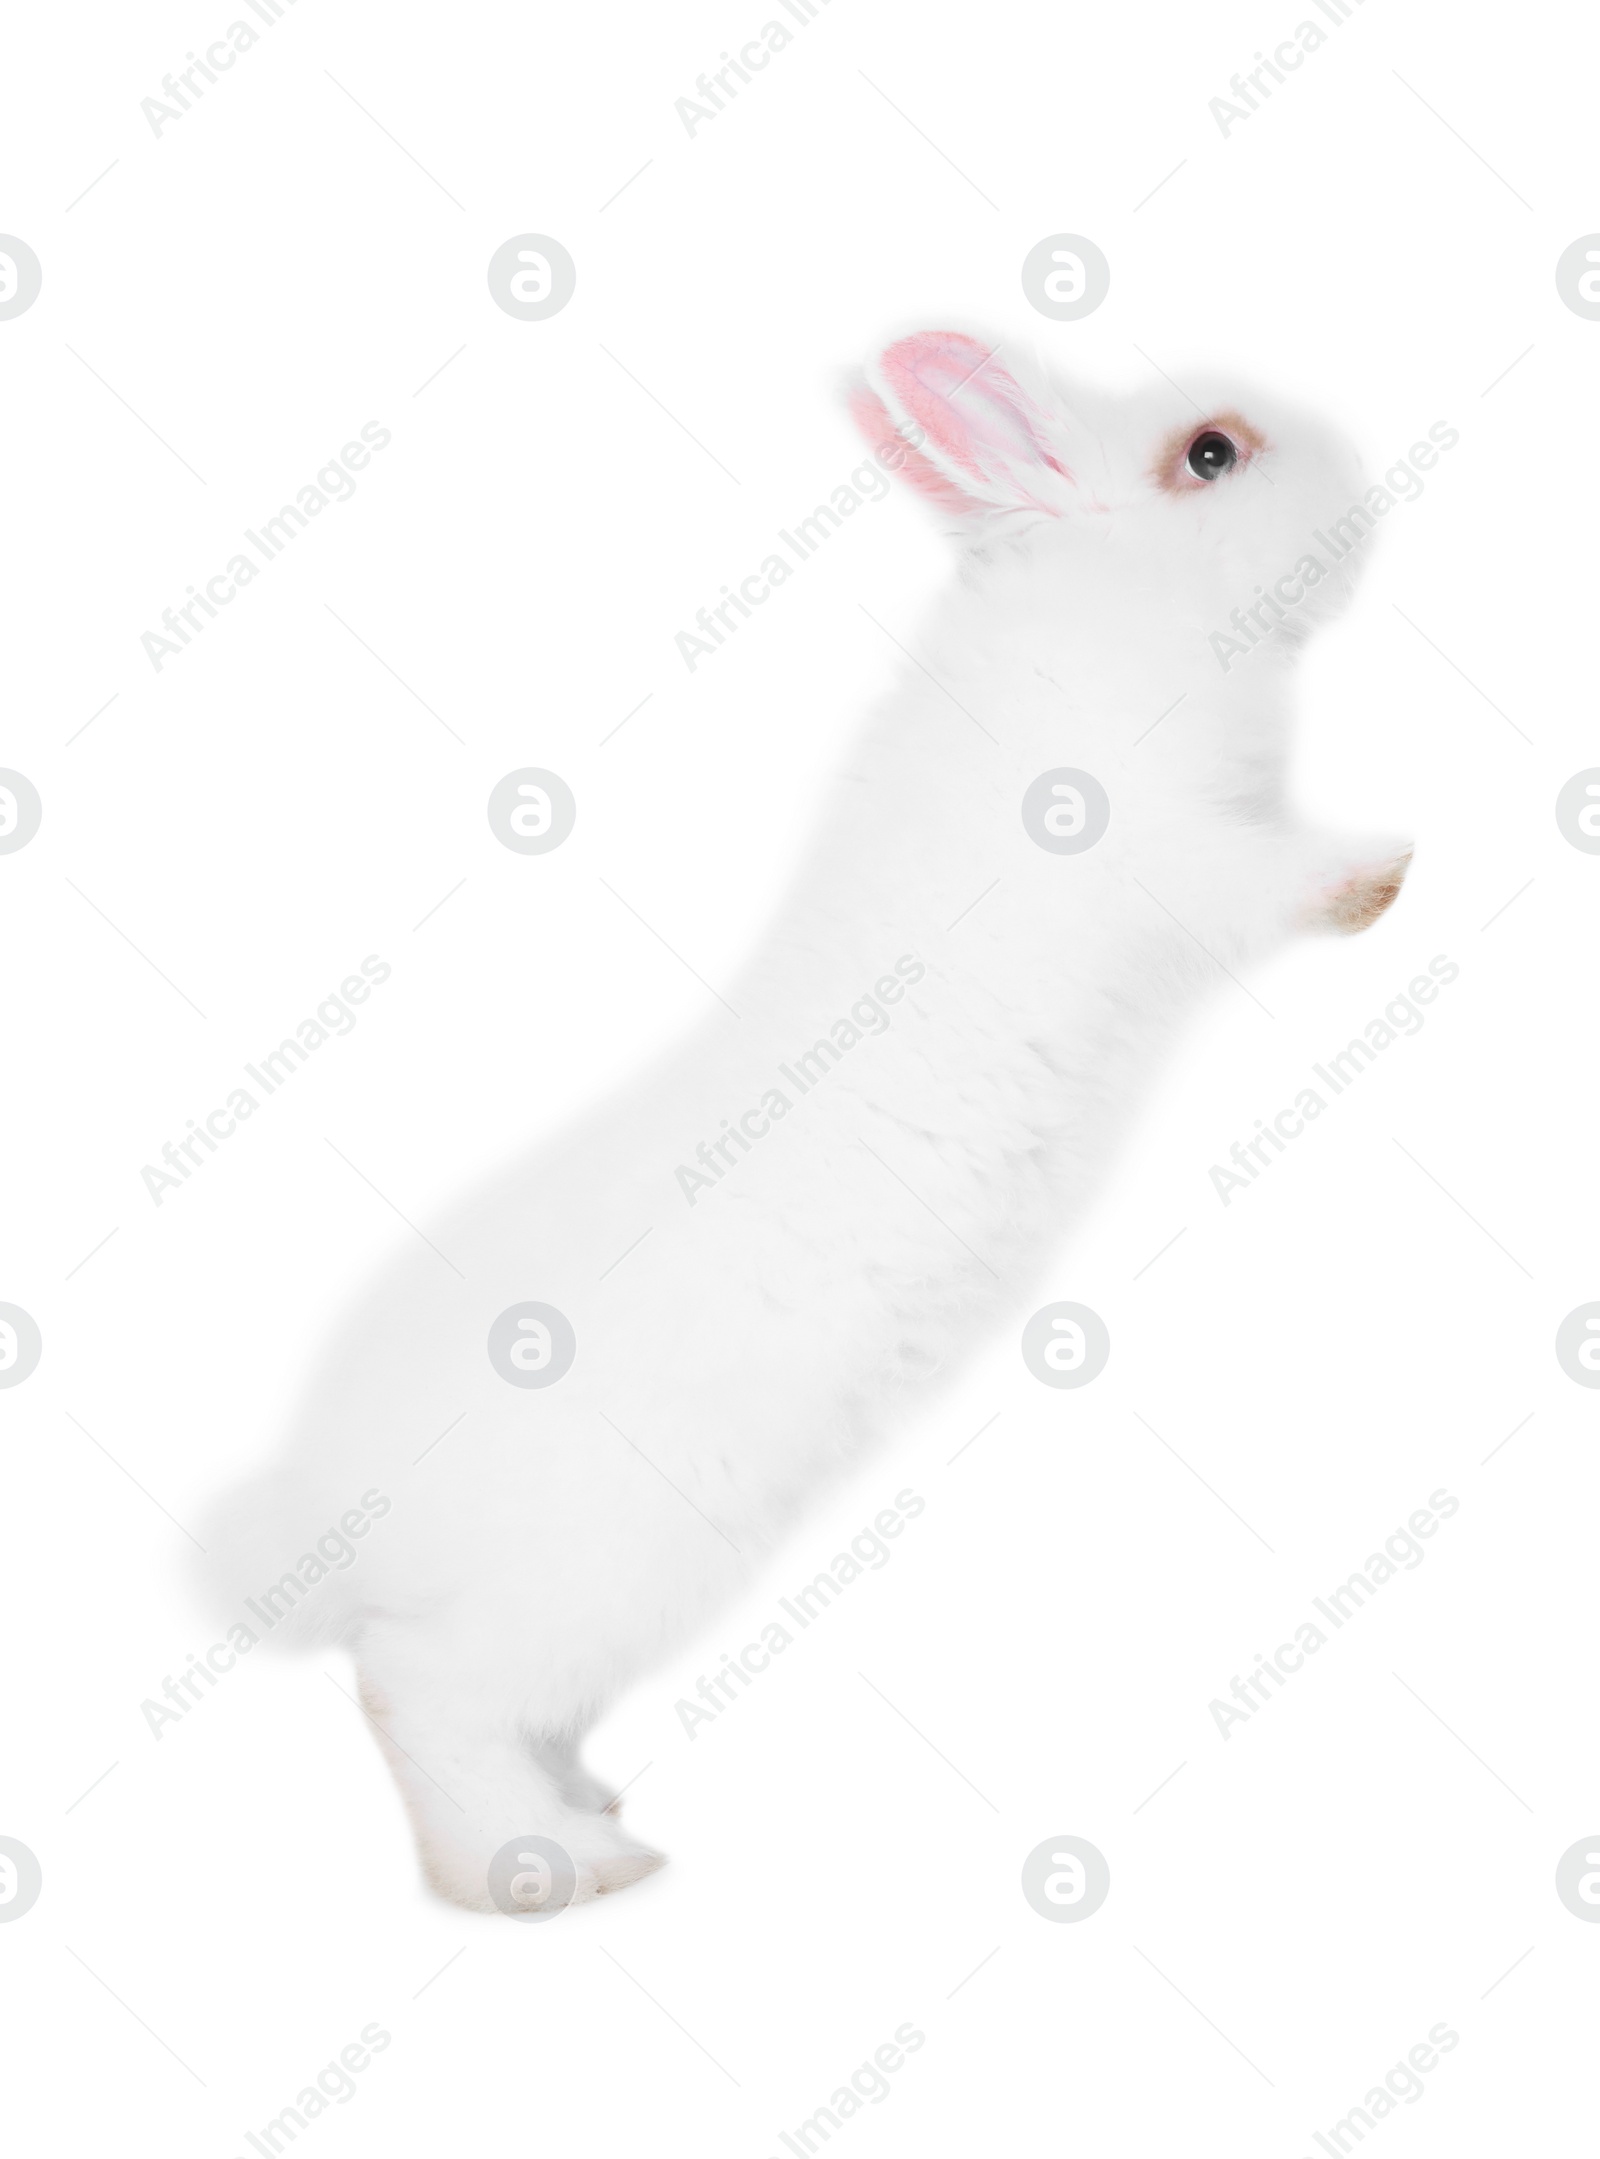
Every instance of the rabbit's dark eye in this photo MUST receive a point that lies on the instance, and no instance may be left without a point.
(1211, 455)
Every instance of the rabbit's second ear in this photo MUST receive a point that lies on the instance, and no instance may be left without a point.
(974, 439)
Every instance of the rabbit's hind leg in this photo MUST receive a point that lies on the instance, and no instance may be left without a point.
(481, 1780)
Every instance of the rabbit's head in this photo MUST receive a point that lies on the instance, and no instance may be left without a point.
(1182, 509)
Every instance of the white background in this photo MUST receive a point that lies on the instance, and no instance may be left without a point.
(1292, 1911)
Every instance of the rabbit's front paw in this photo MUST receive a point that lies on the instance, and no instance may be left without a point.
(1353, 898)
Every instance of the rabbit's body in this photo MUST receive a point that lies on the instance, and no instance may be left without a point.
(814, 1234)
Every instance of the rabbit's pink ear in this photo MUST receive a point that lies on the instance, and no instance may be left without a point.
(972, 438)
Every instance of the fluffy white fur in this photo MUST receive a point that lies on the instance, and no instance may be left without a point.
(541, 1557)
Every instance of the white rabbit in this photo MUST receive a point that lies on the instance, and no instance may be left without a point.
(851, 1187)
